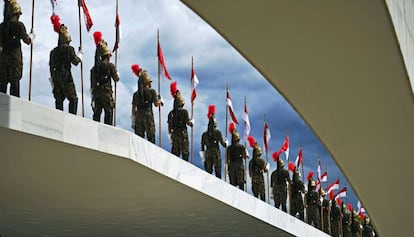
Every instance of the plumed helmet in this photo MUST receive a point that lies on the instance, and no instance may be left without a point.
(179, 99)
(211, 115)
(322, 192)
(64, 36)
(105, 50)
(312, 183)
(257, 151)
(235, 136)
(15, 8)
(280, 163)
(146, 78)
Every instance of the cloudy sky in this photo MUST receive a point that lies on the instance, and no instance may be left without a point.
(183, 35)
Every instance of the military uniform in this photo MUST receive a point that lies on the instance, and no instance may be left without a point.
(60, 60)
(11, 63)
(326, 212)
(278, 181)
(336, 216)
(346, 222)
(257, 166)
(178, 120)
(368, 230)
(102, 98)
(356, 225)
(236, 153)
(313, 203)
(142, 110)
(297, 188)
(211, 140)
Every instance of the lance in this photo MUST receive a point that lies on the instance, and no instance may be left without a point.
(267, 161)
(116, 57)
(245, 144)
(159, 89)
(227, 118)
(80, 49)
(31, 54)
(192, 115)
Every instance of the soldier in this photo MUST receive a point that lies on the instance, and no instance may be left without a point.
(236, 153)
(278, 182)
(313, 203)
(297, 188)
(142, 117)
(102, 87)
(100, 43)
(11, 32)
(346, 221)
(257, 166)
(326, 212)
(210, 144)
(356, 224)
(368, 229)
(60, 60)
(336, 216)
(178, 121)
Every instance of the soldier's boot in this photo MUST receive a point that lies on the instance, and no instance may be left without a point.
(108, 117)
(185, 157)
(284, 208)
(151, 138)
(15, 88)
(59, 105)
(73, 106)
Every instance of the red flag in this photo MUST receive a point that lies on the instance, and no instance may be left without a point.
(88, 18)
(299, 158)
(266, 136)
(194, 83)
(117, 36)
(161, 61)
(246, 120)
(230, 106)
(333, 186)
(285, 147)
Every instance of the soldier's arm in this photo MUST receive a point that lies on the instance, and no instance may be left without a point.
(75, 59)
(223, 143)
(24, 36)
(114, 75)
(189, 122)
(156, 98)
(203, 141)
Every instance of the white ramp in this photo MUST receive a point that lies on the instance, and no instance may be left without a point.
(64, 175)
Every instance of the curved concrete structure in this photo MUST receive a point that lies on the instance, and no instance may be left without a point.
(339, 64)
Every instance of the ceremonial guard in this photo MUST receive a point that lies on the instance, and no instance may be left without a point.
(236, 154)
(336, 216)
(297, 188)
(278, 182)
(313, 204)
(257, 166)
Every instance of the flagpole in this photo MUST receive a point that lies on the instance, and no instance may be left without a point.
(80, 49)
(116, 61)
(267, 162)
(159, 89)
(192, 115)
(227, 110)
(31, 54)
(245, 160)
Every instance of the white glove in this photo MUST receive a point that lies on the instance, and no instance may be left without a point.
(202, 156)
(169, 139)
(79, 54)
(32, 36)
(192, 121)
(133, 121)
(247, 153)
(161, 101)
(267, 166)
(226, 141)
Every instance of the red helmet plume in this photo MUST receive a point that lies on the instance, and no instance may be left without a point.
(97, 36)
(211, 111)
(173, 88)
(251, 140)
(232, 127)
(55, 19)
(339, 201)
(350, 207)
(291, 167)
(310, 175)
(331, 195)
(135, 69)
(275, 156)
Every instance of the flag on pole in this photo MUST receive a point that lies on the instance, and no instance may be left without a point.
(53, 2)
(230, 106)
(194, 83)
(333, 186)
(319, 169)
(245, 117)
(266, 136)
(285, 147)
(299, 158)
(88, 18)
(324, 177)
(117, 32)
(161, 61)
(341, 193)
(360, 208)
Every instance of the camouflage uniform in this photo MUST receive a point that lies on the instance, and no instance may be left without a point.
(356, 225)
(313, 203)
(11, 63)
(278, 181)
(178, 120)
(257, 166)
(236, 153)
(142, 109)
(368, 230)
(297, 188)
(60, 61)
(326, 212)
(101, 87)
(336, 216)
(210, 143)
(346, 222)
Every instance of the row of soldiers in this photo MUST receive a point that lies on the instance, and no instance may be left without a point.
(334, 220)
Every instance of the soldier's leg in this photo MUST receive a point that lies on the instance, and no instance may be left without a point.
(255, 189)
(277, 197)
(73, 106)
(3, 79)
(109, 116)
(184, 148)
(283, 201)
(240, 178)
(97, 111)
(15, 88)
(262, 191)
(139, 125)
(72, 97)
(150, 128)
(209, 162)
(217, 166)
